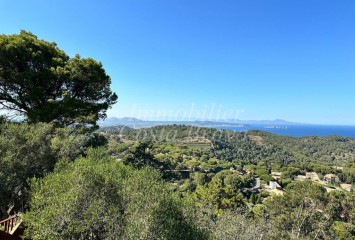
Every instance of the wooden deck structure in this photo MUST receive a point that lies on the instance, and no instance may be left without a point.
(9, 228)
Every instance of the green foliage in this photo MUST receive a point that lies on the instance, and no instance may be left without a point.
(259, 210)
(303, 212)
(139, 156)
(200, 178)
(222, 192)
(31, 150)
(343, 230)
(99, 198)
(188, 185)
(25, 152)
(68, 146)
(341, 206)
(2, 119)
(236, 225)
(39, 81)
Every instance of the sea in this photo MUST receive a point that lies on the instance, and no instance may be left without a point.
(298, 130)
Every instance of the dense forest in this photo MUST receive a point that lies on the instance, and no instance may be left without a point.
(65, 178)
(188, 145)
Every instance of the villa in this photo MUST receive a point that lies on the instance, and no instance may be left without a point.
(331, 179)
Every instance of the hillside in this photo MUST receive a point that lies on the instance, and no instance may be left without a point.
(267, 175)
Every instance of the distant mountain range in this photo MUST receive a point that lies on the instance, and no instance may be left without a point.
(138, 123)
(264, 122)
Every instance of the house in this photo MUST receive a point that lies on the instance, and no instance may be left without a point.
(274, 185)
(346, 187)
(256, 187)
(331, 178)
(256, 184)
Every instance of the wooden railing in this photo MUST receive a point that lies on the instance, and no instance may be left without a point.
(9, 226)
(10, 223)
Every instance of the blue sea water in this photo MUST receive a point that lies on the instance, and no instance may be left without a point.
(299, 130)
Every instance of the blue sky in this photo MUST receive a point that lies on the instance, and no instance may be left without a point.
(198, 59)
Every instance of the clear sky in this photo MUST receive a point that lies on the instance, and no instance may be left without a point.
(170, 59)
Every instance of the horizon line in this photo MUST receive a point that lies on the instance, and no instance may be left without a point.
(226, 121)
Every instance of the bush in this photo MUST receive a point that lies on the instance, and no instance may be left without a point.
(99, 198)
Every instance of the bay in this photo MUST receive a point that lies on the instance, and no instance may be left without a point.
(298, 130)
